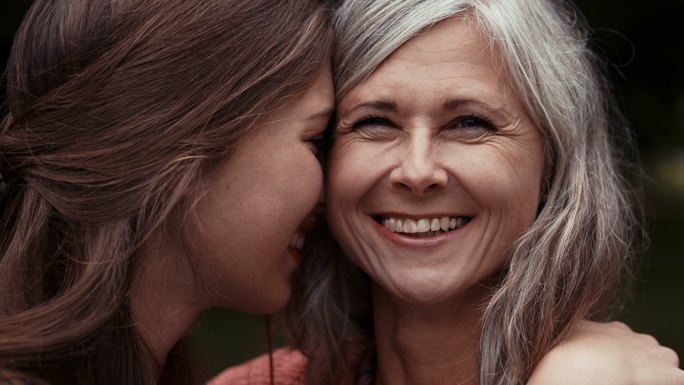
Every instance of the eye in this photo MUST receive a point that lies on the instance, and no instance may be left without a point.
(469, 127)
(373, 121)
(371, 127)
(474, 121)
(317, 144)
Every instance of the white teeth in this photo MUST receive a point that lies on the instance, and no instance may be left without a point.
(410, 226)
(297, 240)
(425, 227)
(392, 224)
(444, 223)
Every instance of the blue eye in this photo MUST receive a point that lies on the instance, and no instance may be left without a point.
(474, 121)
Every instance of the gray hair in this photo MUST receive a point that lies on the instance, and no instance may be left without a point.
(578, 254)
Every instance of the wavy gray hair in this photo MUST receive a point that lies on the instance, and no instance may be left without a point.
(578, 254)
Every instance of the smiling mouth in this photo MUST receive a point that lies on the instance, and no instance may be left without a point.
(421, 228)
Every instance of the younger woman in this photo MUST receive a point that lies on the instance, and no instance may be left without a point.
(158, 158)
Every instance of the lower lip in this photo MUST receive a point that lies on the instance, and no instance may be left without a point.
(415, 242)
(296, 255)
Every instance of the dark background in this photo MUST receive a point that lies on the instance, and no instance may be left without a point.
(644, 41)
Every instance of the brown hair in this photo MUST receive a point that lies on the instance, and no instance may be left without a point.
(117, 109)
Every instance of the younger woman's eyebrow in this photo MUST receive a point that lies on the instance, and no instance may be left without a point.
(323, 114)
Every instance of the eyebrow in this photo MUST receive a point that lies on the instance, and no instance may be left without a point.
(323, 114)
(383, 105)
(450, 104)
(454, 103)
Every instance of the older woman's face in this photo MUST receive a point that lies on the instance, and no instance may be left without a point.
(436, 167)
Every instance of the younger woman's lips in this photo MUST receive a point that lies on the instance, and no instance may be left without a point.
(296, 255)
(308, 223)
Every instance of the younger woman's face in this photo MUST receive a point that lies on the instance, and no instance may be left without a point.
(436, 167)
(248, 228)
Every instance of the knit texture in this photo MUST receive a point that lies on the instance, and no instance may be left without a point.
(289, 368)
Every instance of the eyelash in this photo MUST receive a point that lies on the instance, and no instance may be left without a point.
(318, 144)
(373, 120)
(480, 121)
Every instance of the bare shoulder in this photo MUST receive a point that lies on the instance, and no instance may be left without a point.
(11, 377)
(610, 354)
(289, 368)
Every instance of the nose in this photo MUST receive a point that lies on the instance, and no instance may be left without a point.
(419, 171)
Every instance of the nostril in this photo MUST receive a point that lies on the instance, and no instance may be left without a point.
(419, 187)
(419, 177)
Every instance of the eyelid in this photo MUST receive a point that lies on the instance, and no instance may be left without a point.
(484, 121)
(314, 130)
(373, 120)
(318, 144)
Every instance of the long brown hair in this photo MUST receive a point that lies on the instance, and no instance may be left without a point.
(116, 110)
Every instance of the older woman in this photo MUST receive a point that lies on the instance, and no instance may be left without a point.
(477, 183)
(477, 180)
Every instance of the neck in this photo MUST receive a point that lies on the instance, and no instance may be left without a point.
(427, 344)
(163, 304)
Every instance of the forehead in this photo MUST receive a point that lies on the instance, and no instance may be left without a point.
(453, 36)
(316, 101)
(451, 56)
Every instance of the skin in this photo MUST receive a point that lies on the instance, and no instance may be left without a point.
(416, 158)
(611, 353)
(464, 148)
(237, 252)
(401, 151)
(427, 323)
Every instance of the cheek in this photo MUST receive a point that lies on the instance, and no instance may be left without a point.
(354, 168)
(352, 173)
(504, 180)
(295, 179)
(309, 185)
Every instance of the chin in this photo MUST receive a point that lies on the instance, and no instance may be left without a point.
(435, 290)
(426, 297)
(261, 302)
(277, 300)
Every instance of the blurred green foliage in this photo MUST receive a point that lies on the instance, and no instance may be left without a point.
(643, 43)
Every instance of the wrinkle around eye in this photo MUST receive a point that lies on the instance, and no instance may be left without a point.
(467, 135)
(512, 147)
(514, 131)
(372, 133)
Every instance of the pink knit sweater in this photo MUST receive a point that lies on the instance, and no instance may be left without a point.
(289, 367)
